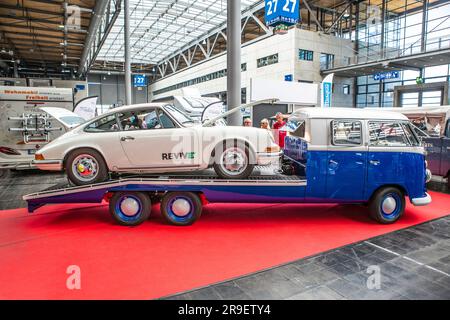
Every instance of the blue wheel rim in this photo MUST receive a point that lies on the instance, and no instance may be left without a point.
(122, 215)
(398, 206)
(175, 217)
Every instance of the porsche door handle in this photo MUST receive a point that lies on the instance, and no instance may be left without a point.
(126, 138)
(374, 162)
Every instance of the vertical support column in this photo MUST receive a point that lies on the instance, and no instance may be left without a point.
(383, 20)
(234, 60)
(423, 40)
(420, 95)
(350, 25)
(127, 64)
(356, 52)
(16, 72)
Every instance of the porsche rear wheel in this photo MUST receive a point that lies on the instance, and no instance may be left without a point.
(86, 166)
(233, 160)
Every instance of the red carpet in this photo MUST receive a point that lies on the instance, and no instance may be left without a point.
(155, 259)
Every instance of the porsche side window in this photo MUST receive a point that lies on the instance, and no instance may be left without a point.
(105, 124)
(139, 120)
(387, 134)
(346, 132)
(165, 120)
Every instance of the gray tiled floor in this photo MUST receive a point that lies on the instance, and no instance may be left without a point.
(19, 183)
(342, 273)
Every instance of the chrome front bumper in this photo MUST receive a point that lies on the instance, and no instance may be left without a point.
(267, 158)
(49, 165)
(421, 201)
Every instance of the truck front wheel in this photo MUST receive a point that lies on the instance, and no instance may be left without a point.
(387, 205)
(181, 208)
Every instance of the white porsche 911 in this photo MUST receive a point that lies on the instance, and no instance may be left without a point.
(155, 138)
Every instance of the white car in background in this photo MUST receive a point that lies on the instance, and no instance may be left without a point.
(155, 138)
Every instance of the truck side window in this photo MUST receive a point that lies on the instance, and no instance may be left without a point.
(346, 132)
(387, 134)
(105, 124)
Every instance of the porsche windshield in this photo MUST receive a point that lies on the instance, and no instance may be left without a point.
(181, 117)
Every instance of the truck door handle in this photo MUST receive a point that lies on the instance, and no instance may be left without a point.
(126, 138)
(374, 162)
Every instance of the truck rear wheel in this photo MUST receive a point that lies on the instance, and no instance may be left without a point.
(130, 208)
(181, 208)
(387, 205)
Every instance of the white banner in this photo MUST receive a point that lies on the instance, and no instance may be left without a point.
(87, 108)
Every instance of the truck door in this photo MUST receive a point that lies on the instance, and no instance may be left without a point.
(347, 161)
(390, 160)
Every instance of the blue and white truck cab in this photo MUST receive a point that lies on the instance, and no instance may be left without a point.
(349, 155)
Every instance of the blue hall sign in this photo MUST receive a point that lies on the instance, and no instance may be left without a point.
(386, 75)
(281, 12)
(327, 92)
(139, 80)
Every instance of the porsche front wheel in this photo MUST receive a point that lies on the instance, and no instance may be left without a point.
(86, 166)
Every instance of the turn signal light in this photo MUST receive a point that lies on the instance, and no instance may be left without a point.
(39, 156)
(273, 149)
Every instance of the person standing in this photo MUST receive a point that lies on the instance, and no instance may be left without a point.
(264, 124)
(247, 122)
(280, 123)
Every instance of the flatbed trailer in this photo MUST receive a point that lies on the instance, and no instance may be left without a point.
(182, 196)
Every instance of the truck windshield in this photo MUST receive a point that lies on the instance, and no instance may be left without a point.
(410, 134)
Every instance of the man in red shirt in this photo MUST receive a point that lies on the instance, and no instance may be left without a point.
(280, 123)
